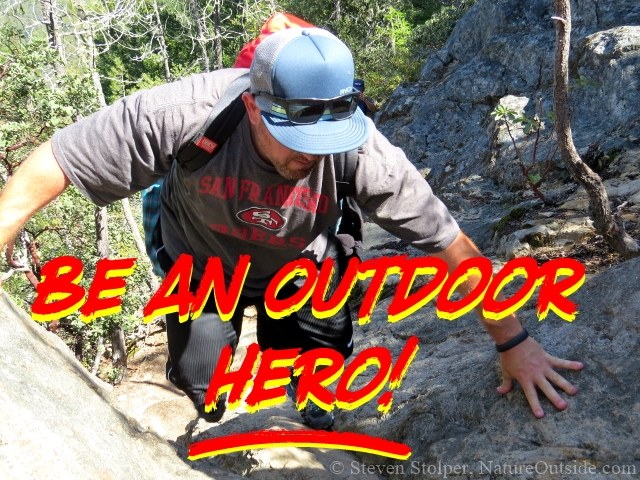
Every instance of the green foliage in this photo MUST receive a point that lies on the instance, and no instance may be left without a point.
(438, 19)
(134, 62)
(584, 82)
(67, 228)
(378, 34)
(601, 162)
(533, 170)
(551, 117)
(502, 112)
(529, 125)
(147, 81)
(34, 102)
(393, 63)
(389, 39)
(512, 216)
(138, 292)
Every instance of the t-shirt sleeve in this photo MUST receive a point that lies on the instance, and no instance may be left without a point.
(127, 146)
(391, 191)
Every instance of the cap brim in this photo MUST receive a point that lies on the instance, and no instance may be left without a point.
(324, 137)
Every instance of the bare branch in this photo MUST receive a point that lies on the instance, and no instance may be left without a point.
(24, 143)
(5, 68)
(10, 7)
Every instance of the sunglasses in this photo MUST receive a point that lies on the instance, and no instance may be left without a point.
(307, 111)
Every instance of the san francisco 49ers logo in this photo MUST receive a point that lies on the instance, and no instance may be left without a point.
(262, 216)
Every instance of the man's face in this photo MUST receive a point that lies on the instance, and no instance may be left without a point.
(290, 164)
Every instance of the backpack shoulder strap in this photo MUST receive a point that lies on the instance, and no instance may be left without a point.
(351, 221)
(222, 121)
(345, 175)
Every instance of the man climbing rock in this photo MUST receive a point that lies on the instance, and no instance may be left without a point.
(271, 192)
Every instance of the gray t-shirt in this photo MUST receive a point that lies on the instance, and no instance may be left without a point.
(238, 204)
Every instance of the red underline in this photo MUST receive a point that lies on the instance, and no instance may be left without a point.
(298, 438)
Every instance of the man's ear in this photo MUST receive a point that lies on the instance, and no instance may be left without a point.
(253, 110)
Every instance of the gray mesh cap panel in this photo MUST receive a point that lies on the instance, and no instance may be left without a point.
(267, 52)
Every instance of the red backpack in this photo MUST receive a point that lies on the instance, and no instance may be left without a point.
(277, 22)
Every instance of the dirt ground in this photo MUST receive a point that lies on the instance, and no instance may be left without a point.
(152, 399)
(594, 253)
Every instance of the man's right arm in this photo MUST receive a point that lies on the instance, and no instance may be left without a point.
(36, 183)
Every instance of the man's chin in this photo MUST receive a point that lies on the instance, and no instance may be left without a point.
(291, 174)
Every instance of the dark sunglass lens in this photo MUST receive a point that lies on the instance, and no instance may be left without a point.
(343, 109)
(306, 113)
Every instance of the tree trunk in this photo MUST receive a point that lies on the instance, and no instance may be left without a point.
(119, 348)
(102, 232)
(604, 221)
(142, 251)
(95, 76)
(98, 357)
(163, 44)
(218, 34)
(77, 347)
(194, 10)
(139, 242)
(50, 22)
(337, 16)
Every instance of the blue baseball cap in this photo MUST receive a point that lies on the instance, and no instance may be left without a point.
(299, 63)
(358, 84)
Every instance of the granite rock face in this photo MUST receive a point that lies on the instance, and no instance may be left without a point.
(447, 408)
(448, 411)
(57, 422)
(502, 50)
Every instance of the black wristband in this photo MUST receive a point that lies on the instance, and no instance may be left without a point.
(517, 340)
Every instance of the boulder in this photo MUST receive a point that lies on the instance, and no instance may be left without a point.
(501, 52)
(558, 233)
(625, 190)
(57, 421)
(448, 412)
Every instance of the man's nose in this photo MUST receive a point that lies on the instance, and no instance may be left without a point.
(312, 158)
